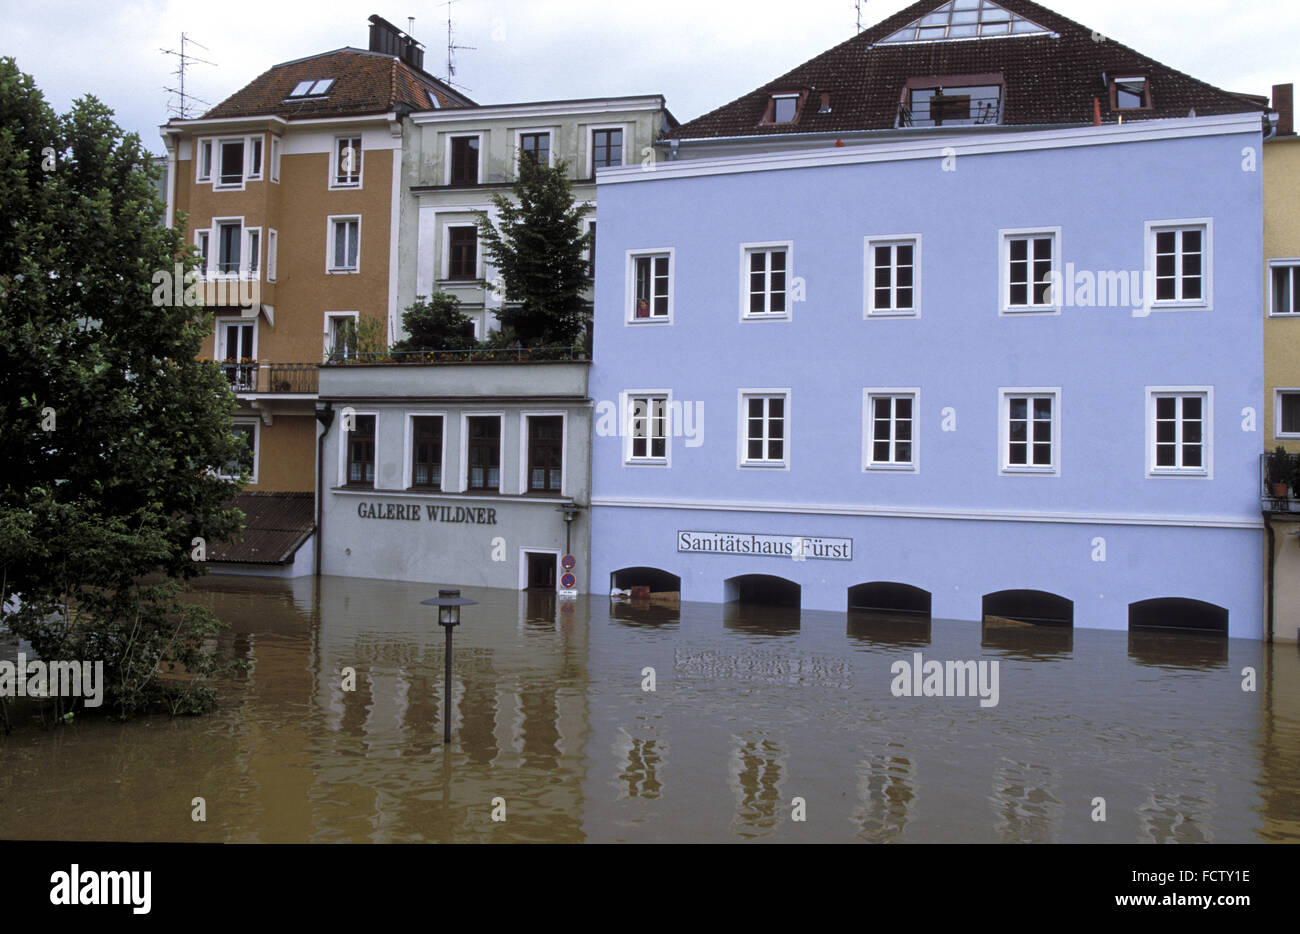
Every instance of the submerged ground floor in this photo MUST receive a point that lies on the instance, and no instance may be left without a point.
(1104, 576)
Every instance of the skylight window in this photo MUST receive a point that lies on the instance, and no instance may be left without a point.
(314, 87)
(784, 107)
(966, 19)
(1130, 93)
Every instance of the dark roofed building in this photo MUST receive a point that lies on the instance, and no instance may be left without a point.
(963, 63)
(346, 81)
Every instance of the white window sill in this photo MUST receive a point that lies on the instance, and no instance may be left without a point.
(1031, 309)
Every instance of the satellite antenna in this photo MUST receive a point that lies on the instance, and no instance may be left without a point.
(181, 109)
(452, 47)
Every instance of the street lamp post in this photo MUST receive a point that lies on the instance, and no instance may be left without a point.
(448, 603)
(570, 511)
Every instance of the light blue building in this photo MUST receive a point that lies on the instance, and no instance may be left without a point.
(1015, 374)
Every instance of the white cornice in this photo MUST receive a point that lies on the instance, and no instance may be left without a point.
(902, 512)
(541, 109)
(270, 121)
(932, 147)
(253, 120)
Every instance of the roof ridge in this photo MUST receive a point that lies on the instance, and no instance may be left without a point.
(1046, 77)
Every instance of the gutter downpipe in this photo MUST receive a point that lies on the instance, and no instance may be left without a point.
(326, 418)
(1272, 551)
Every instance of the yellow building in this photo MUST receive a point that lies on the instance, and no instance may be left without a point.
(290, 190)
(1282, 368)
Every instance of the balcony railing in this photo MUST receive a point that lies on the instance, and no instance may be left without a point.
(268, 378)
(476, 355)
(1279, 482)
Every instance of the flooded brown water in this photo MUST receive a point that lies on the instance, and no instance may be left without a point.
(758, 717)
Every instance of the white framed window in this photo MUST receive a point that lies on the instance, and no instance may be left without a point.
(202, 242)
(1180, 431)
(893, 276)
(1028, 258)
(1286, 412)
(275, 159)
(1179, 262)
(358, 447)
(606, 146)
(889, 429)
(543, 440)
(764, 428)
(252, 252)
(784, 107)
(426, 451)
(460, 252)
(344, 251)
(236, 350)
(591, 249)
(646, 427)
(341, 334)
(481, 440)
(464, 159)
(766, 271)
(250, 431)
(345, 163)
(255, 158)
(231, 168)
(228, 233)
(1284, 288)
(649, 296)
(272, 245)
(1029, 429)
(203, 160)
(534, 143)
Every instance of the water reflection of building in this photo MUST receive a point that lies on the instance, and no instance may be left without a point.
(887, 793)
(756, 772)
(1025, 808)
(368, 764)
(640, 760)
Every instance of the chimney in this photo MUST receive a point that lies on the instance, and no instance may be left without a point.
(1284, 104)
(387, 39)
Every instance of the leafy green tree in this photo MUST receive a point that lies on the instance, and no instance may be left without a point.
(540, 252)
(436, 323)
(116, 434)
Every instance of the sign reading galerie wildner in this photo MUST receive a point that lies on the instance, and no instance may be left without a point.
(410, 512)
(776, 546)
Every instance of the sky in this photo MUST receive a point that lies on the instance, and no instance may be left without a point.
(699, 54)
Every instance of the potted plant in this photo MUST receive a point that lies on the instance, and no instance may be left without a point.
(1279, 470)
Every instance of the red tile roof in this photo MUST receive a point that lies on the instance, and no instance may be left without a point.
(276, 525)
(365, 83)
(1047, 79)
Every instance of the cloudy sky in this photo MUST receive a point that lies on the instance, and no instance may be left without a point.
(698, 53)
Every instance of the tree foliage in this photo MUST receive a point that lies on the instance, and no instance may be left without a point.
(116, 434)
(540, 253)
(436, 323)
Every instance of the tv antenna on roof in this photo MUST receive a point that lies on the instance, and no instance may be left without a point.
(452, 47)
(858, 5)
(181, 109)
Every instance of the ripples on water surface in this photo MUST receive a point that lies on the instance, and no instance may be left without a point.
(754, 707)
